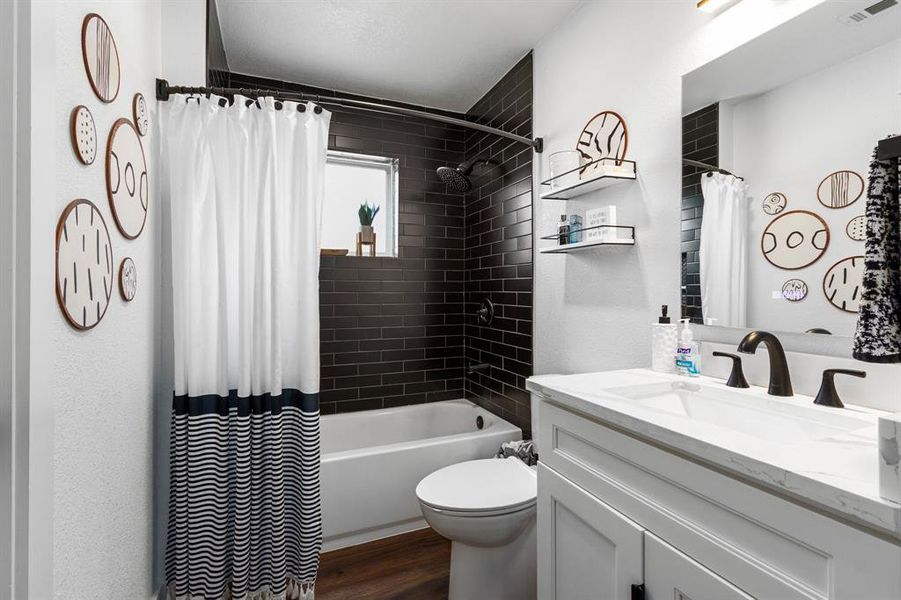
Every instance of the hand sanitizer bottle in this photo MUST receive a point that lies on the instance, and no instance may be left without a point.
(688, 356)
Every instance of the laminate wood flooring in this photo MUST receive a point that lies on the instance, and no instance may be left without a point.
(410, 566)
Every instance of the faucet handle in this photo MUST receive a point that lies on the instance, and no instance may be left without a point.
(737, 376)
(828, 395)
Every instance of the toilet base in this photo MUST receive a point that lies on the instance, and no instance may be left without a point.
(507, 572)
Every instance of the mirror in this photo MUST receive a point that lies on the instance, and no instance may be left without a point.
(777, 138)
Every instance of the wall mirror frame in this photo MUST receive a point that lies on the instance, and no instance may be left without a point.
(793, 61)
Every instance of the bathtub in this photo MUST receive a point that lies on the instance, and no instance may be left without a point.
(372, 461)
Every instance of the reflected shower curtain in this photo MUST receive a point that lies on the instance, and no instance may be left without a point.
(246, 192)
(724, 251)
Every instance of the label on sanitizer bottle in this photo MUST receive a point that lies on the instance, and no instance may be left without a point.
(685, 363)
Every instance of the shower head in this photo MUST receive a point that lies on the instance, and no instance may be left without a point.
(457, 178)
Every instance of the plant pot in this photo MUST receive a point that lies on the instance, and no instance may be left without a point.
(367, 234)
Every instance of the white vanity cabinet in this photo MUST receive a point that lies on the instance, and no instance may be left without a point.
(615, 510)
(586, 549)
(671, 575)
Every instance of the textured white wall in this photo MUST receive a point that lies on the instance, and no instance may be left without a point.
(593, 309)
(101, 382)
(99, 399)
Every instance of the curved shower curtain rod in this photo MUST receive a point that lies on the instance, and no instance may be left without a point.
(164, 90)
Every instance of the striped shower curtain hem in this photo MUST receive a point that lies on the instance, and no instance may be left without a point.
(244, 513)
(295, 590)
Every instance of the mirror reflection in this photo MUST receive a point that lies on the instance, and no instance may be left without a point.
(777, 140)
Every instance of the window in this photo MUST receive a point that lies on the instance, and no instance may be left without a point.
(350, 180)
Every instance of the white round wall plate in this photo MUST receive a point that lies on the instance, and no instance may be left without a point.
(84, 134)
(84, 264)
(126, 178)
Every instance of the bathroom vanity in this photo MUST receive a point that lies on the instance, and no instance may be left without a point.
(660, 487)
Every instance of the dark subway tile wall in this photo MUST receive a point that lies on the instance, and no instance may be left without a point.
(399, 330)
(700, 141)
(392, 329)
(499, 249)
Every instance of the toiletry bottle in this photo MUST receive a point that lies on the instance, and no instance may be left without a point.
(663, 343)
(688, 356)
(575, 229)
(563, 230)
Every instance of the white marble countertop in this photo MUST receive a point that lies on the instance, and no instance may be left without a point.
(837, 474)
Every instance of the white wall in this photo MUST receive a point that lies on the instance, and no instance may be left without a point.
(100, 382)
(8, 350)
(593, 309)
(787, 140)
(95, 396)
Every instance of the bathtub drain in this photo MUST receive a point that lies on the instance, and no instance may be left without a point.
(480, 422)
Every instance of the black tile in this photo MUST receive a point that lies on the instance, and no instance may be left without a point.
(392, 329)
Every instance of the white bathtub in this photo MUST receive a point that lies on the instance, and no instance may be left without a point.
(372, 461)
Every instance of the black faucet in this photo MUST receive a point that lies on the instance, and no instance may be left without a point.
(780, 379)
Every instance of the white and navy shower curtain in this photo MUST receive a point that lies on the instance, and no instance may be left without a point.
(246, 186)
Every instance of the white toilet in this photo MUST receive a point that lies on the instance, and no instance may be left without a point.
(487, 509)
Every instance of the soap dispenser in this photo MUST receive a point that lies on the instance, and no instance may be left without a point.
(688, 355)
(663, 342)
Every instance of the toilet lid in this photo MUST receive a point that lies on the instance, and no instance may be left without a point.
(480, 486)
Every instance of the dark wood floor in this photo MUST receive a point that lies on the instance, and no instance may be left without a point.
(411, 566)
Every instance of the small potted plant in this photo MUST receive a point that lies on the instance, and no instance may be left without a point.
(367, 214)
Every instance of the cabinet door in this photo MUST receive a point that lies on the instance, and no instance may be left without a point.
(671, 575)
(586, 550)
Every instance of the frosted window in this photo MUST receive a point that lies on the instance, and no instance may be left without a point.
(350, 180)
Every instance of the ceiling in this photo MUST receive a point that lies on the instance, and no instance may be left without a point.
(436, 53)
(791, 51)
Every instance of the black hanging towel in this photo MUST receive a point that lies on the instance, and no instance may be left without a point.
(878, 335)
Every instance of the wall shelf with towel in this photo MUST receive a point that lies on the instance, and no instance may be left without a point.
(617, 235)
(608, 171)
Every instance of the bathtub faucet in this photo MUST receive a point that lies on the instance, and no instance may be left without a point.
(474, 368)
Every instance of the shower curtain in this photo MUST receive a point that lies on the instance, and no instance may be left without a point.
(723, 253)
(246, 188)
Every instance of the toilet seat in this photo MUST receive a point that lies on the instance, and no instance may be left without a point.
(480, 488)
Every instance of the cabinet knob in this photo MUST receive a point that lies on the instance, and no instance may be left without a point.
(637, 591)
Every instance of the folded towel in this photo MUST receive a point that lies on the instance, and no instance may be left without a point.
(878, 335)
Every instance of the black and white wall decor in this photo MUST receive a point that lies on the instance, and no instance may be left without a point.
(141, 114)
(604, 136)
(126, 178)
(101, 57)
(128, 279)
(84, 264)
(795, 240)
(794, 290)
(84, 134)
(857, 228)
(774, 203)
(840, 189)
(842, 284)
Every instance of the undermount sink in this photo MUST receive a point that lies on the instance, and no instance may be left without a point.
(770, 420)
